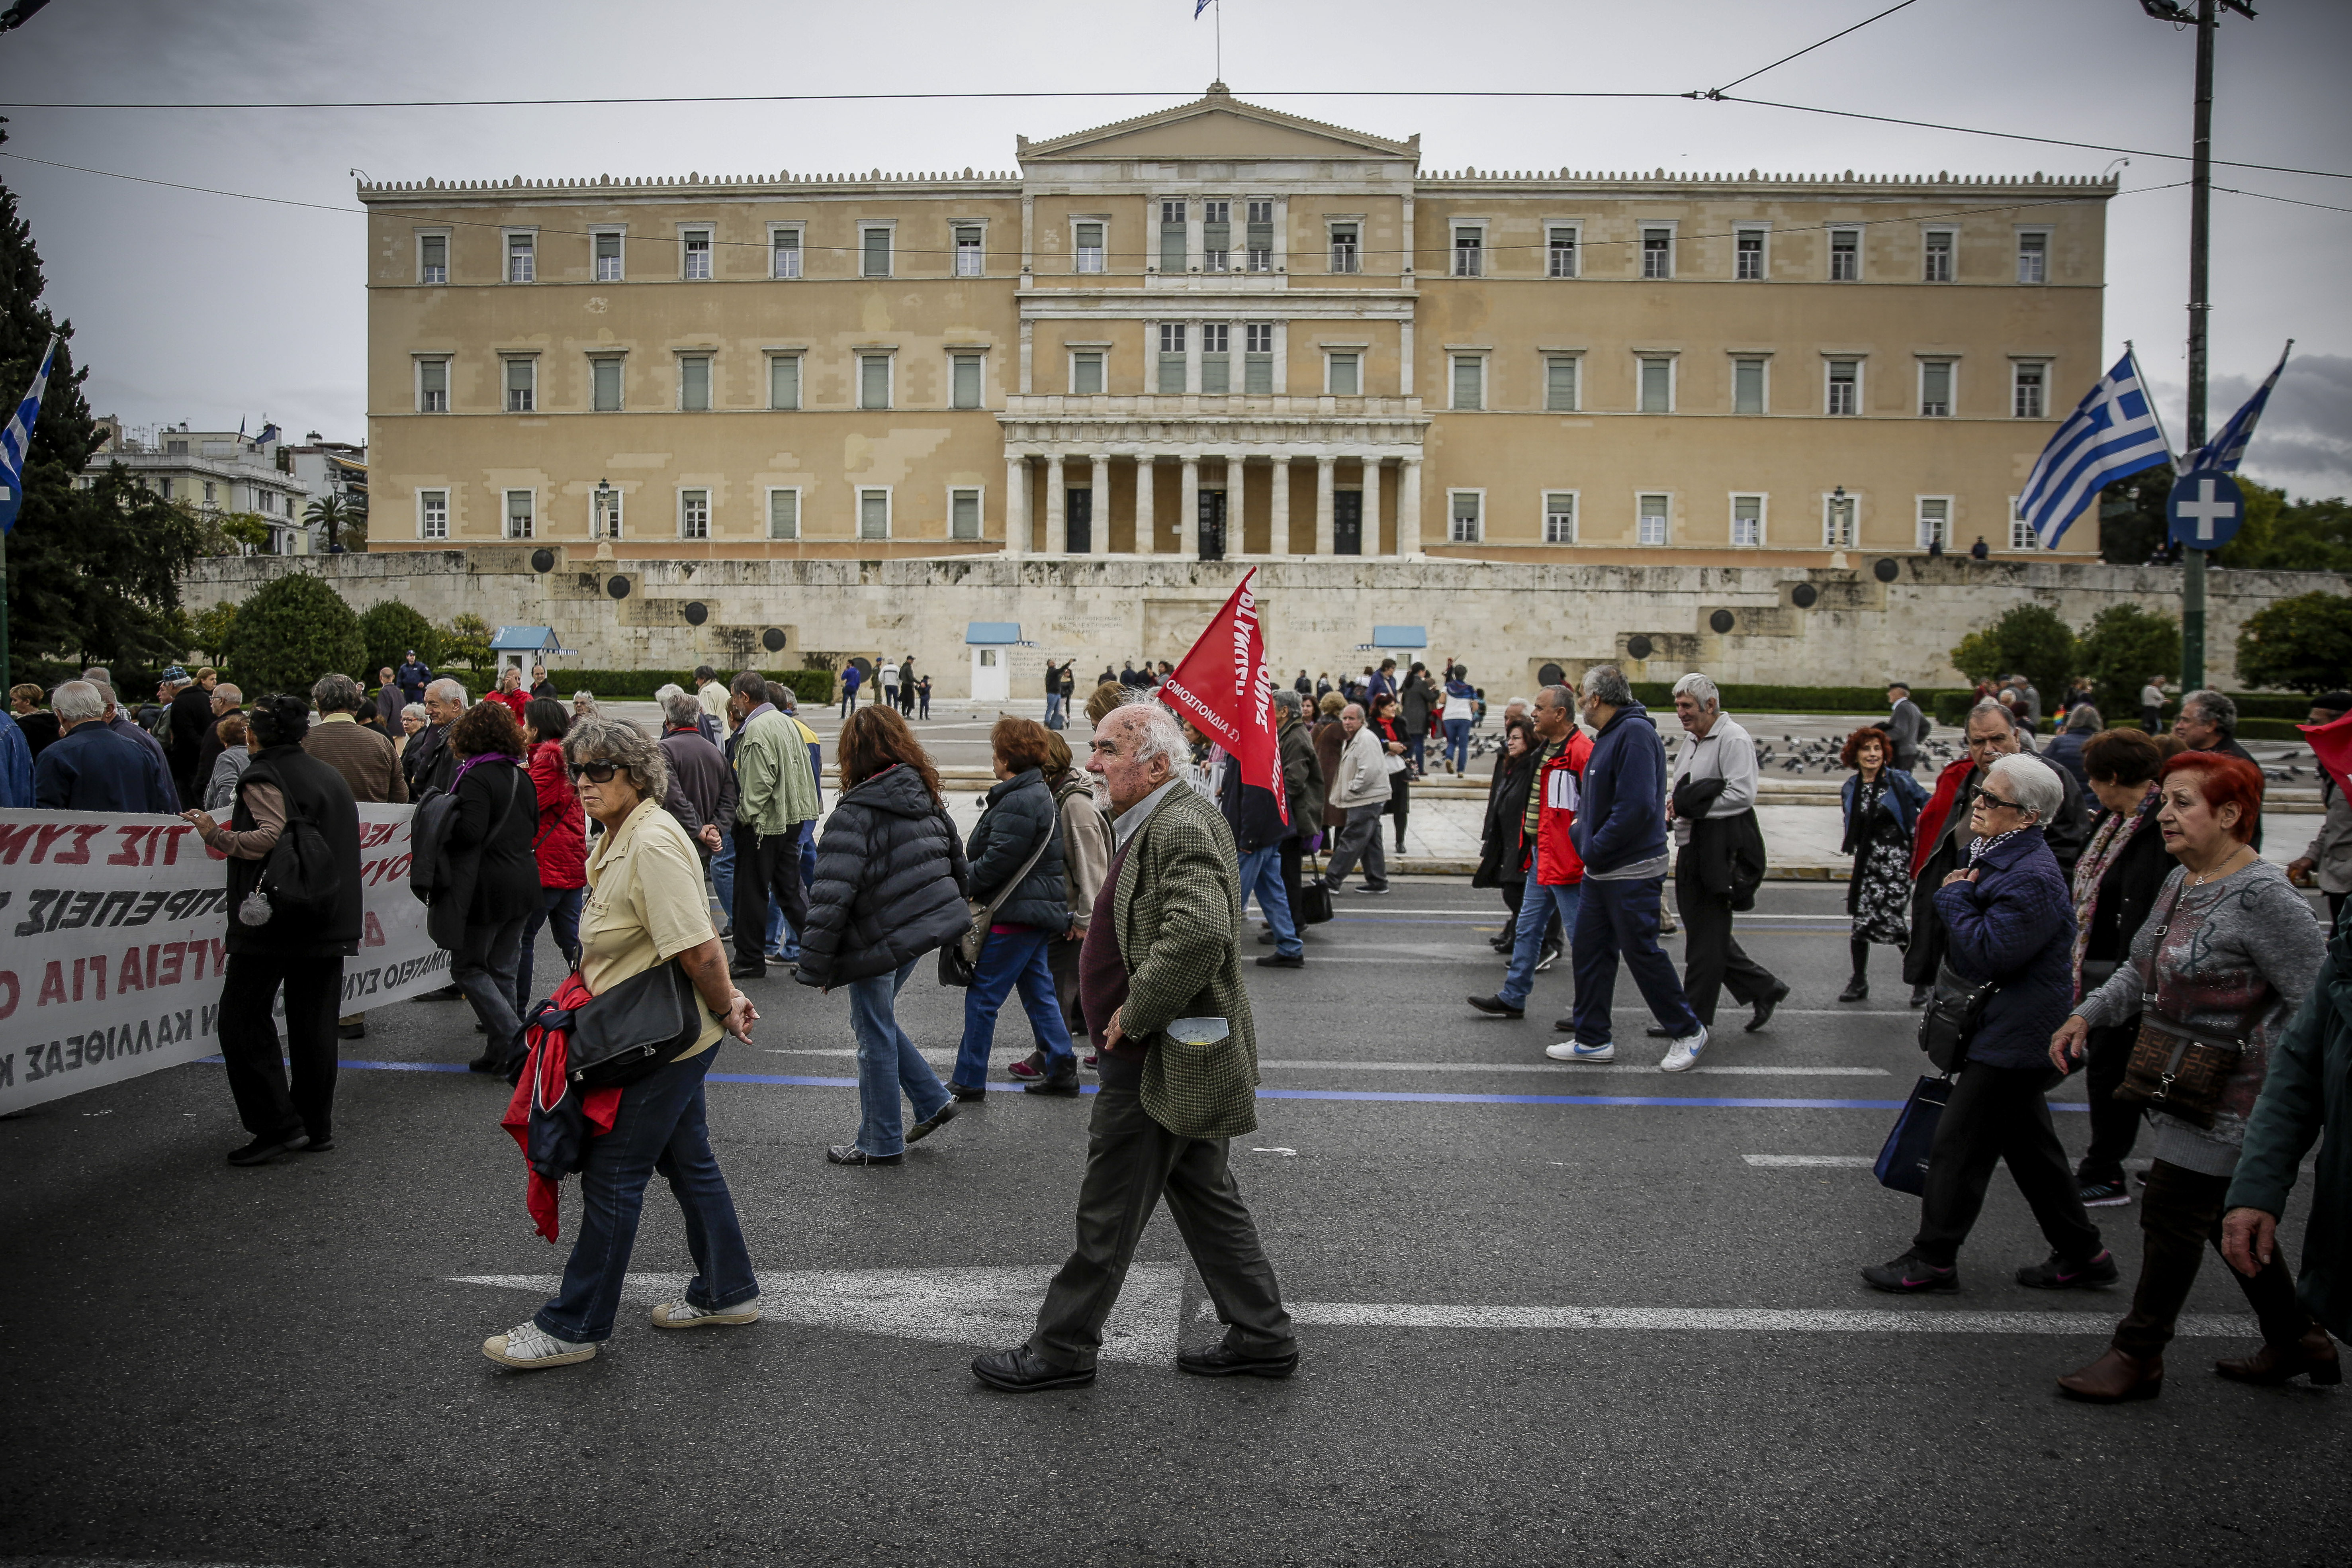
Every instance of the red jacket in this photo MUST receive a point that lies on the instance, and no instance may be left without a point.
(1936, 816)
(516, 701)
(1560, 786)
(562, 845)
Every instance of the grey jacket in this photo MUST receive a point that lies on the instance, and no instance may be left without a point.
(1906, 727)
(2331, 850)
(220, 789)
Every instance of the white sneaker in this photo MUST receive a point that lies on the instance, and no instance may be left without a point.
(528, 1346)
(686, 1315)
(1681, 1055)
(1577, 1051)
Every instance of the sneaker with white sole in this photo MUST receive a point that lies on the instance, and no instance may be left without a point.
(1578, 1051)
(530, 1347)
(686, 1315)
(1681, 1055)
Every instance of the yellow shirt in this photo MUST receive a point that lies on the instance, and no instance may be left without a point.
(646, 905)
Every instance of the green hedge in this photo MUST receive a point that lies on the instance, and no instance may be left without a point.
(639, 685)
(2272, 729)
(1756, 699)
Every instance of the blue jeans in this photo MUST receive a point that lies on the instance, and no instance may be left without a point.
(1623, 917)
(722, 875)
(1536, 907)
(1013, 958)
(1053, 706)
(558, 907)
(887, 1064)
(1416, 750)
(1262, 875)
(1457, 743)
(660, 1128)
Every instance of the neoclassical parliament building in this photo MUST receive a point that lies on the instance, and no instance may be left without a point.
(1222, 332)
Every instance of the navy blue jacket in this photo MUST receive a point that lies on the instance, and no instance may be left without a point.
(16, 764)
(1622, 819)
(92, 768)
(2015, 923)
(1020, 812)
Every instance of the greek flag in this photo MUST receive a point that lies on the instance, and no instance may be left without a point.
(17, 438)
(2111, 433)
(1199, 6)
(2227, 449)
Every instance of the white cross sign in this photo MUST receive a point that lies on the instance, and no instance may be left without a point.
(2205, 509)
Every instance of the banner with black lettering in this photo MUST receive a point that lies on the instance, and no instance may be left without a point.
(115, 931)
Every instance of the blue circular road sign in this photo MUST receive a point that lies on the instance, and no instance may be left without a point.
(2204, 509)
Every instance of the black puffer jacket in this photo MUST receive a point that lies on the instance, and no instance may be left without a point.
(889, 882)
(1020, 812)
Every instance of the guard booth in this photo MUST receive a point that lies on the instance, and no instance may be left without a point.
(527, 645)
(991, 643)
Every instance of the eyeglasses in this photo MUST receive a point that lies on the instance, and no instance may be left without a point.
(595, 772)
(1989, 798)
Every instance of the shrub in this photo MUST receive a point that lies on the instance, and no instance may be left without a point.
(639, 685)
(2027, 637)
(2304, 643)
(289, 633)
(391, 628)
(2123, 647)
(468, 641)
(1746, 697)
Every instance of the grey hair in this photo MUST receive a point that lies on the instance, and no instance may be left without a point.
(1287, 700)
(448, 690)
(415, 710)
(2217, 710)
(2082, 716)
(337, 693)
(1561, 697)
(77, 702)
(1702, 687)
(2037, 787)
(1607, 683)
(1527, 703)
(1162, 735)
(1993, 705)
(234, 696)
(583, 702)
(595, 739)
(99, 675)
(681, 710)
(666, 692)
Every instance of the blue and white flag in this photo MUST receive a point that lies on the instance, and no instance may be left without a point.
(2113, 433)
(17, 439)
(2227, 449)
(1201, 5)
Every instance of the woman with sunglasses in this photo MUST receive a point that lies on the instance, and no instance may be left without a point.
(2009, 920)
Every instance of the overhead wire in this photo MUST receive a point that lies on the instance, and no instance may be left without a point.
(1809, 48)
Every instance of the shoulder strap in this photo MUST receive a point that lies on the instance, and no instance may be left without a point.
(2147, 973)
(1052, 825)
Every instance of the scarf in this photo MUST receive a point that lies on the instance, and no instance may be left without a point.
(1978, 847)
(2115, 830)
(477, 760)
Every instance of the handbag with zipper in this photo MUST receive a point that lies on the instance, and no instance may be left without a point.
(960, 959)
(1952, 1017)
(2174, 1068)
(1314, 897)
(631, 1029)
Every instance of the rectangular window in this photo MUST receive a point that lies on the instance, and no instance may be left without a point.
(694, 382)
(1845, 386)
(1469, 381)
(1936, 389)
(969, 256)
(967, 381)
(433, 386)
(608, 525)
(1257, 363)
(1089, 238)
(784, 381)
(522, 252)
(1560, 384)
(1346, 374)
(873, 515)
(211, 492)
(1747, 520)
(1216, 364)
(1171, 358)
(1559, 517)
(433, 259)
(1846, 256)
(1939, 264)
(873, 381)
(963, 514)
(694, 514)
(1259, 239)
(1172, 238)
(1087, 372)
(1346, 256)
(1461, 526)
(784, 514)
(874, 252)
(1747, 386)
(697, 242)
(1935, 520)
(1657, 386)
(1469, 252)
(1838, 524)
(433, 514)
(2034, 257)
(163, 488)
(522, 386)
(2020, 533)
(519, 513)
(2026, 402)
(607, 246)
(1657, 253)
(1748, 256)
(784, 253)
(1217, 235)
(1650, 520)
(175, 448)
(1563, 263)
(606, 374)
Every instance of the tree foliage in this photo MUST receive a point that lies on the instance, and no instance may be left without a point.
(2123, 646)
(390, 630)
(467, 641)
(289, 633)
(209, 629)
(2131, 517)
(344, 522)
(2027, 637)
(2281, 535)
(2304, 643)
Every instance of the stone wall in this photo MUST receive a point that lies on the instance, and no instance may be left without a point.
(1506, 621)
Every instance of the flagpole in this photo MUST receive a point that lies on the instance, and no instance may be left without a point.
(1221, 39)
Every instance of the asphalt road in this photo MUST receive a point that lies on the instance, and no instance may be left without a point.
(1539, 1326)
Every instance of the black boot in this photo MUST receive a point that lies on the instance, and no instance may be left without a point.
(1061, 1079)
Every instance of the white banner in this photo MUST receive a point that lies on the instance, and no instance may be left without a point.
(115, 930)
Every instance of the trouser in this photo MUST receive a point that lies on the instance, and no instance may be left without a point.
(484, 969)
(2179, 1216)
(1262, 875)
(1009, 960)
(848, 701)
(1132, 1161)
(1053, 707)
(1997, 1114)
(1360, 839)
(266, 1105)
(1061, 962)
(1541, 906)
(765, 864)
(1400, 803)
(1515, 889)
(889, 696)
(1616, 917)
(1712, 959)
(659, 1127)
(926, 698)
(2115, 1123)
(1416, 750)
(888, 1065)
(1293, 853)
(560, 908)
(1457, 743)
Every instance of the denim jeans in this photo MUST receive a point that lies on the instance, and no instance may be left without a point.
(1053, 707)
(560, 908)
(660, 1128)
(1538, 903)
(722, 878)
(1457, 743)
(1262, 875)
(887, 1064)
(1622, 917)
(1010, 959)
(1416, 750)
(484, 969)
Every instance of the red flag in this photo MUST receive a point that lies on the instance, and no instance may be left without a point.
(2332, 744)
(1222, 687)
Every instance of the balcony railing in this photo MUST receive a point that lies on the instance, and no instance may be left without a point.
(1201, 405)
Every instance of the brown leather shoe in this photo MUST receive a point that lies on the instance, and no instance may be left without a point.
(2115, 1377)
(2313, 1354)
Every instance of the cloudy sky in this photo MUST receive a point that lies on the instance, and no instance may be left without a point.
(210, 309)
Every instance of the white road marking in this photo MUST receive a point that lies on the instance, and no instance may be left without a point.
(1566, 1069)
(1802, 1162)
(1739, 1320)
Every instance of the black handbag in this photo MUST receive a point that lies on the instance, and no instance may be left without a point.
(1314, 896)
(643, 1023)
(1902, 1161)
(1952, 1017)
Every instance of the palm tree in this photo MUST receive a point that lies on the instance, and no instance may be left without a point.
(333, 514)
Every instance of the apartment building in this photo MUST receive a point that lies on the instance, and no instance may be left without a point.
(212, 471)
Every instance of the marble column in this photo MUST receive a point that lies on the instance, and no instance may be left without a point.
(1188, 510)
(1278, 529)
(1409, 508)
(1017, 505)
(1371, 505)
(1057, 527)
(1147, 538)
(1099, 531)
(1326, 543)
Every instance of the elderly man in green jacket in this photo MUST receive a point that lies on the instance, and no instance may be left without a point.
(775, 800)
(1161, 983)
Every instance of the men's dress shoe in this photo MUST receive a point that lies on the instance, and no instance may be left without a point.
(1064, 1083)
(354, 1030)
(968, 1092)
(2313, 1354)
(1219, 1362)
(745, 971)
(1764, 1007)
(1283, 960)
(851, 1154)
(1909, 1275)
(1919, 995)
(486, 1063)
(261, 1151)
(931, 1123)
(446, 993)
(1017, 1371)
(2054, 1273)
(2115, 1377)
(1497, 1007)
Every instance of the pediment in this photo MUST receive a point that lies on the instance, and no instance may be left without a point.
(1219, 128)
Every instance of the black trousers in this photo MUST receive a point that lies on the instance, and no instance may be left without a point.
(1712, 960)
(1995, 1114)
(2115, 1123)
(764, 865)
(248, 1040)
(1062, 963)
(1131, 1161)
(2179, 1216)
(1292, 859)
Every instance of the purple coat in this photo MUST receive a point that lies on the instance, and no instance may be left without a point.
(2015, 923)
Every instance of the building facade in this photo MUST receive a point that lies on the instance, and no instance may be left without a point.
(1220, 332)
(217, 471)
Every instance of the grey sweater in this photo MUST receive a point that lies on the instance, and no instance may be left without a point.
(2247, 940)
